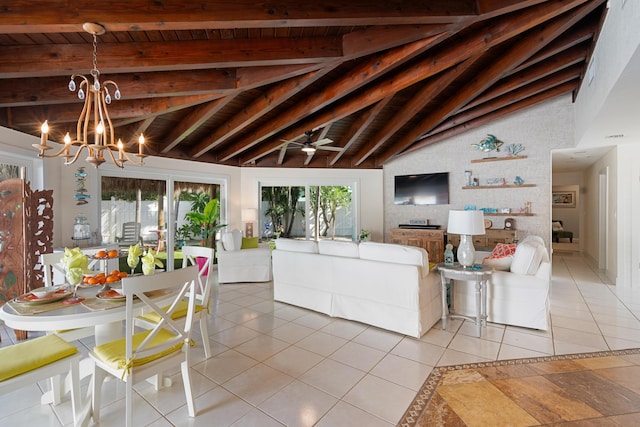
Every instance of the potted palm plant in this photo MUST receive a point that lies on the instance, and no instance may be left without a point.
(208, 221)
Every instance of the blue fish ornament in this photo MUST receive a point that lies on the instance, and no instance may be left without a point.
(488, 144)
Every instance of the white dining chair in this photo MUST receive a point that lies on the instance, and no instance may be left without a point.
(39, 359)
(190, 256)
(53, 268)
(150, 353)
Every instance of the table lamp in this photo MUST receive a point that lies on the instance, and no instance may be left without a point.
(248, 217)
(466, 224)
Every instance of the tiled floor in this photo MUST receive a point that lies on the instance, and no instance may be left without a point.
(276, 364)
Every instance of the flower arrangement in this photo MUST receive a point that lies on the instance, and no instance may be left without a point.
(76, 264)
(150, 262)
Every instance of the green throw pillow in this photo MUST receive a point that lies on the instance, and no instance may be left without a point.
(249, 243)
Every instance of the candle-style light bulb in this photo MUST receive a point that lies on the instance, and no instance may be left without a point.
(120, 150)
(45, 127)
(100, 128)
(67, 139)
(140, 144)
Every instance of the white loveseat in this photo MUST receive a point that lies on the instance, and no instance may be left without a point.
(385, 285)
(518, 294)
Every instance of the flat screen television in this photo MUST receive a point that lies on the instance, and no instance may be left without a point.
(422, 189)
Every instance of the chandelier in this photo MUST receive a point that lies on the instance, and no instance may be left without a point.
(94, 120)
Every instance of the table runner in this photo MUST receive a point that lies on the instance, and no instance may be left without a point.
(93, 304)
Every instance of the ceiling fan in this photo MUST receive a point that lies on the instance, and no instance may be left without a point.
(310, 147)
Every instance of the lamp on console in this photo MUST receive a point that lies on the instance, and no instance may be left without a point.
(248, 217)
(466, 224)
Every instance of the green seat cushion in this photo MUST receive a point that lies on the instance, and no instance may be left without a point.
(249, 243)
(113, 353)
(179, 312)
(26, 356)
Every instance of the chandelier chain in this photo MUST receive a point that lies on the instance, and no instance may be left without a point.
(94, 71)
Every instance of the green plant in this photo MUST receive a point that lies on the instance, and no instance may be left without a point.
(208, 220)
(183, 232)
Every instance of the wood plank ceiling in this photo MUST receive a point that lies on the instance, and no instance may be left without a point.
(226, 82)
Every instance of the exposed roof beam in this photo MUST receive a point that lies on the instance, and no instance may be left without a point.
(274, 96)
(523, 49)
(494, 115)
(360, 125)
(141, 15)
(419, 100)
(367, 71)
(486, 37)
(26, 61)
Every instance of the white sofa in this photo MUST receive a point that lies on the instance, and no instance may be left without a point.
(518, 294)
(242, 265)
(385, 285)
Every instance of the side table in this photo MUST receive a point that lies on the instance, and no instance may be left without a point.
(479, 274)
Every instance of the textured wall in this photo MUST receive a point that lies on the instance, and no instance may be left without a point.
(539, 129)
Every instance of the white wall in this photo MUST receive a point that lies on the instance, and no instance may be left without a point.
(607, 103)
(539, 129)
(369, 210)
(591, 243)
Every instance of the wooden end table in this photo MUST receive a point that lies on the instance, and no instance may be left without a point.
(479, 274)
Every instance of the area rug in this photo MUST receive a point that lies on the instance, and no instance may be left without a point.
(601, 387)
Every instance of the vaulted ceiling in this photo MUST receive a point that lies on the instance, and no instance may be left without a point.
(230, 82)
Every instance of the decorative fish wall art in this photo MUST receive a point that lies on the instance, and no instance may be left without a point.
(488, 144)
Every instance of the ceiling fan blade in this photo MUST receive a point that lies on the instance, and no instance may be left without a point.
(323, 141)
(330, 148)
(286, 141)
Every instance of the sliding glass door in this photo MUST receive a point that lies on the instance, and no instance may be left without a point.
(307, 212)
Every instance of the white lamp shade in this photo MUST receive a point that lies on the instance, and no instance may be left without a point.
(466, 223)
(249, 215)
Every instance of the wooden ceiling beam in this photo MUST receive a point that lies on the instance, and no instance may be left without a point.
(40, 16)
(516, 94)
(54, 90)
(496, 114)
(120, 111)
(489, 35)
(524, 48)
(194, 120)
(359, 126)
(363, 73)
(18, 61)
(576, 55)
(418, 101)
(264, 104)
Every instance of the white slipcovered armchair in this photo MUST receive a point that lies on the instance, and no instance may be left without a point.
(235, 264)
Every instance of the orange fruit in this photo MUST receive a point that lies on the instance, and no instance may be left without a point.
(111, 279)
(99, 275)
(93, 281)
(114, 273)
(113, 253)
(101, 254)
(122, 274)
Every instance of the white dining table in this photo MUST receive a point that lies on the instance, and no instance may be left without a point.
(107, 323)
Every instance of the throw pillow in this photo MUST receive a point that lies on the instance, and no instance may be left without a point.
(500, 264)
(228, 242)
(527, 258)
(556, 226)
(503, 250)
(249, 243)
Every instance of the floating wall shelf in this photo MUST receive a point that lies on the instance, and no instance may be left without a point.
(497, 159)
(478, 187)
